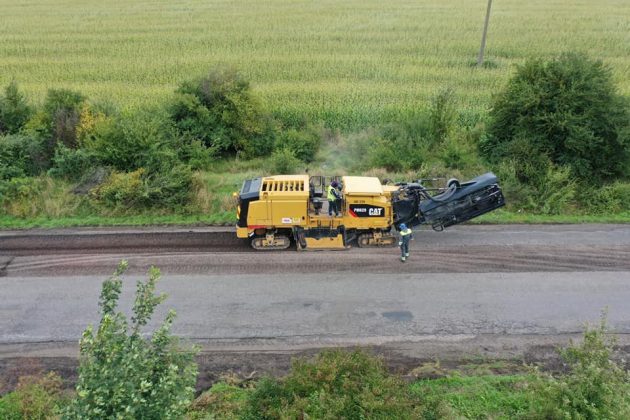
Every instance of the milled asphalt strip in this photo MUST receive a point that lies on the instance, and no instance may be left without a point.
(16, 243)
(4, 264)
(223, 238)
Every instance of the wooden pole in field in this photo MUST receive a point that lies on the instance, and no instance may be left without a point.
(483, 37)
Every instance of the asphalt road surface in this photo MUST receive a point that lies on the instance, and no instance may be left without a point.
(491, 291)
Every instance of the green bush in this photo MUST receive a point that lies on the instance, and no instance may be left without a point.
(169, 188)
(596, 386)
(134, 139)
(21, 155)
(442, 116)
(397, 148)
(555, 194)
(61, 115)
(18, 188)
(456, 153)
(567, 110)
(121, 189)
(303, 143)
(610, 198)
(283, 161)
(122, 375)
(337, 384)
(194, 153)
(551, 191)
(71, 164)
(35, 398)
(14, 110)
(221, 111)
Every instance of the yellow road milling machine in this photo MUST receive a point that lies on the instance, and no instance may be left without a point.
(274, 212)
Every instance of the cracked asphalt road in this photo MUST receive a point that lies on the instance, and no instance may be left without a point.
(495, 291)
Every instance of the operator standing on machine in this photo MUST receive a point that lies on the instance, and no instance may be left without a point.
(333, 196)
(406, 235)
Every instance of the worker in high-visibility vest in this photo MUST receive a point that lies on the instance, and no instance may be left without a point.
(333, 196)
(406, 235)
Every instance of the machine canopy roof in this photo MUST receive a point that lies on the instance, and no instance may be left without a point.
(362, 185)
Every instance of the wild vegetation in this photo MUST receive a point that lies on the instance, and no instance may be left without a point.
(112, 133)
(124, 375)
(73, 157)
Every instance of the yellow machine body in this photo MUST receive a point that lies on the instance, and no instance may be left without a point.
(293, 206)
(277, 211)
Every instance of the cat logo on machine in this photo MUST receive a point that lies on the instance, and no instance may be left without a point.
(366, 210)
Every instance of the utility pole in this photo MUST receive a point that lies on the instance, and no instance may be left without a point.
(483, 37)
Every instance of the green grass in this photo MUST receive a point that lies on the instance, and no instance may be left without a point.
(475, 397)
(351, 63)
(221, 401)
(472, 397)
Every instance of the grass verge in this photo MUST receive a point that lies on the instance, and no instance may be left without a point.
(474, 397)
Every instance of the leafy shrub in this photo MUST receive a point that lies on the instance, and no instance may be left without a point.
(90, 118)
(71, 164)
(596, 386)
(303, 143)
(121, 189)
(18, 188)
(568, 110)
(607, 199)
(556, 193)
(337, 384)
(169, 188)
(14, 110)
(62, 108)
(221, 111)
(194, 153)
(37, 196)
(396, 148)
(122, 375)
(35, 398)
(442, 116)
(551, 191)
(456, 153)
(21, 155)
(135, 139)
(283, 161)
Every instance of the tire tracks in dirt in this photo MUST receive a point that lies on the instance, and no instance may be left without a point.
(383, 261)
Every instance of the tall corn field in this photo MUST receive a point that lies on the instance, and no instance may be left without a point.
(350, 63)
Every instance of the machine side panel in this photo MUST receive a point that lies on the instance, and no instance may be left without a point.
(287, 213)
(258, 213)
(367, 212)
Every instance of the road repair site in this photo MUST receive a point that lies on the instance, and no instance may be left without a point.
(511, 292)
